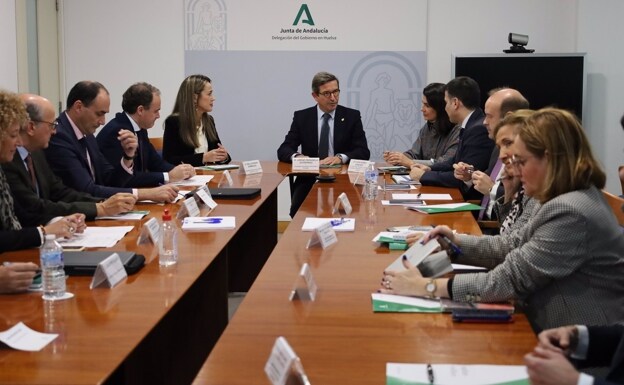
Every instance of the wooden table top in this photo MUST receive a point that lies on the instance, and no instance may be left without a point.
(99, 328)
(338, 337)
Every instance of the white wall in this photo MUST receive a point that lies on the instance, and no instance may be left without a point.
(8, 46)
(119, 42)
(600, 31)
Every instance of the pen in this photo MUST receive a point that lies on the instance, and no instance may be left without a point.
(418, 195)
(338, 222)
(206, 220)
(430, 373)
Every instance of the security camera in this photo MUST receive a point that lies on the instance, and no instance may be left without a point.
(518, 41)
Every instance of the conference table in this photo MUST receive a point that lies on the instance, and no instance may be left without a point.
(338, 337)
(159, 325)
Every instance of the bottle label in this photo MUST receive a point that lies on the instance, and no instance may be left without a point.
(51, 259)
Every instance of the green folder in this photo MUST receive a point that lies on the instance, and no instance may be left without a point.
(438, 210)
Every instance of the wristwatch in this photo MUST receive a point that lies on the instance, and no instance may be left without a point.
(430, 288)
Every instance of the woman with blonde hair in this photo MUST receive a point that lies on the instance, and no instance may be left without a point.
(190, 134)
(567, 266)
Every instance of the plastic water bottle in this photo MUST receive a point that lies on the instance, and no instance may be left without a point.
(168, 254)
(52, 269)
(371, 175)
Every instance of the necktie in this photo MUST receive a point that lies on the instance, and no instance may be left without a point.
(31, 171)
(324, 141)
(143, 140)
(486, 198)
(85, 154)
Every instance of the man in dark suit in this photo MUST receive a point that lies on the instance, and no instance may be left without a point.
(141, 108)
(586, 346)
(329, 131)
(40, 192)
(74, 155)
(462, 96)
(501, 101)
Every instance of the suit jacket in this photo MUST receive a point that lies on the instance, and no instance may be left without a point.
(606, 347)
(175, 151)
(565, 266)
(148, 165)
(475, 148)
(54, 198)
(349, 137)
(66, 158)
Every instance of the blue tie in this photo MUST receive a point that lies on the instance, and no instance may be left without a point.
(323, 151)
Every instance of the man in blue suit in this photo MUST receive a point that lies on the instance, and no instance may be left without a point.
(462, 96)
(74, 156)
(141, 108)
(329, 131)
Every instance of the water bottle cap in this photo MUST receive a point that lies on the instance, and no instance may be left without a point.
(50, 237)
(166, 216)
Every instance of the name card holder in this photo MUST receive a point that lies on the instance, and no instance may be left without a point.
(302, 164)
(357, 179)
(342, 202)
(358, 166)
(324, 234)
(251, 167)
(205, 196)
(227, 177)
(305, 285)
(110, 272)
(150, 232)
(284, 366)
(188, 209)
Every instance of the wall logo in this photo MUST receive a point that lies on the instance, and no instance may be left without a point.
(205, 23)
(304, 10)
(298, 32)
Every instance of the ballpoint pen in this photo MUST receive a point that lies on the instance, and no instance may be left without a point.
(430, 373)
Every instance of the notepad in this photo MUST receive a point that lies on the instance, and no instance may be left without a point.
(451, 374)
(208, 223)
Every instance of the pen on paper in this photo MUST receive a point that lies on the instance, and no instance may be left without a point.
(338, 222)
(205, 220)
(430, 373)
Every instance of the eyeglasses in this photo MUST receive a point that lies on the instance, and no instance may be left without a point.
(51, 125)
(328, 94)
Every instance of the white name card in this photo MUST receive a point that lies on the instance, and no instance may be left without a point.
(324, 234)
(302, 164)
(358, 165)
(149, 232)
(110, 271)
(305, 286)
(21, 337)
(228, 178)
(342, 202)
(283, 366)
(204, 195)
(251, 167)
(191, 207)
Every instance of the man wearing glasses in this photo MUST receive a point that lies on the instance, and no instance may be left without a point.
(39, 191)
(328, 131)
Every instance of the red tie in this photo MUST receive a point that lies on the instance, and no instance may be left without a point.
(31, 171)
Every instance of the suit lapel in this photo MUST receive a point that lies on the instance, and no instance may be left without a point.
(313, 130)
(339, 131)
